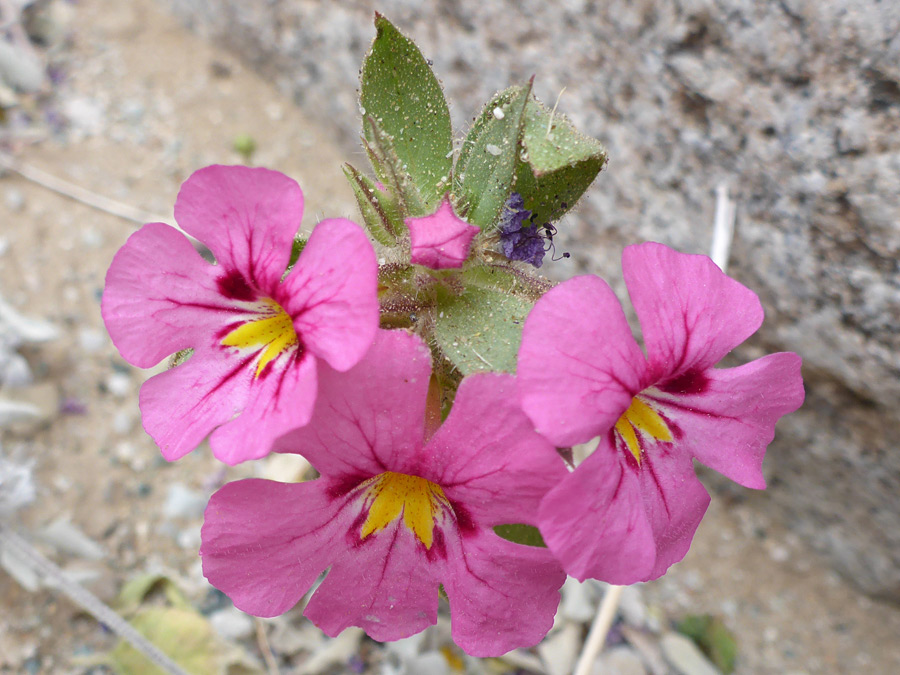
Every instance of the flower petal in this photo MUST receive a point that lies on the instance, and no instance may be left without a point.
(595, 522)
(161, 296)
(487, 456)
(180, 407)
(441, 240)
(503, 596)
(280, 400)
(265, 543)
(691, 313)
(332, 293)
(247, 217)
(579, 365)
(728, 417)
(371, 418)
(675, 501)
(384, 584)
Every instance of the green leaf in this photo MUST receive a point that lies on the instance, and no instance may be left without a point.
(557, 163)
(713, 637)
(391, 170)
(400, 92)
(520, 533)
(486, 168)
(379, 215)
(481, 329)
(136, 590)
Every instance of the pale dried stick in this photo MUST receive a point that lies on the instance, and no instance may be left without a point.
(723, 227)
(78, 193)
(85, 599)
(597, 636)
(263, 641)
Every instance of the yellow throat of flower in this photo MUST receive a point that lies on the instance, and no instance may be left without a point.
(391, 495)
(274, 331)
(640, 418)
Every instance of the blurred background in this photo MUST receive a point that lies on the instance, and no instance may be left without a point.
(794, 104)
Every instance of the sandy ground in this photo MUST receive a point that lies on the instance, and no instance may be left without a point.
(151, 104)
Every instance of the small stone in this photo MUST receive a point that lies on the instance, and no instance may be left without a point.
(334, 652)
(118, 384)
(184, 503)
(232, 624)
(123, 422)
(560, 649)
(685, 656)
(66, 537)
(632, 607)
(620, 660)
(432, 663)
(15, 200)
(578, 600)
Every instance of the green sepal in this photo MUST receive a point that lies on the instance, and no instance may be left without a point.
(486, 169)
(504, 277)
(379, 214)
(481, 329)
(557, 163)
(390, 169)
(519, 533)
(297, 247)
(399, 90)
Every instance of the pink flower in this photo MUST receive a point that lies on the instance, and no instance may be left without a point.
(440, 240)
(631, 509)
(395, 514)
(256, 339)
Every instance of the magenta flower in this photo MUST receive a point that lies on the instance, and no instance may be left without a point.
(395, 514)
(256, 339)
(441, 240)
(631, 509)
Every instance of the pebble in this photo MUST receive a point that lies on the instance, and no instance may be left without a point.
(66, 537)
(559, 650)
(232, 624)
(333, 652)
(118, 384)
(578, 600)
(123, 422)
(184, 503)
(91, 340)
(632, 607)
(15, 200)
(685, 656)
(619, 660)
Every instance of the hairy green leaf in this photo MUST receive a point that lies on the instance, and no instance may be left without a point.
(557, 163)
(481, 329)
(400, 93)
(486, 168)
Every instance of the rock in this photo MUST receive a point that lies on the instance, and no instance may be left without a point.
(15, 200)
(62, 535)
(579, 600)
(559, 650)
(183, 503)
(232, 624)
(620, 660)
(685, 656)
(632, 607)
(32, 407)
(794, 104)
(118, 384)
(333, 652)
